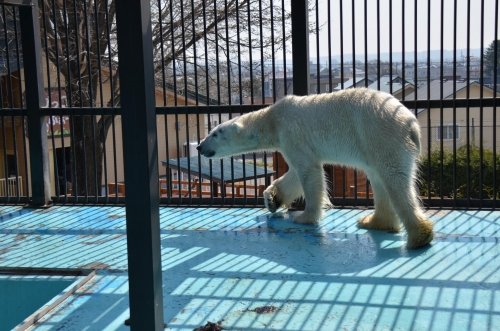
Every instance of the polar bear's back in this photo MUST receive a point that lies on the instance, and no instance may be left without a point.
(346, 125)
(355, 105)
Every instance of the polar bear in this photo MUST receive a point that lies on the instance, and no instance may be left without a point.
(361, 128)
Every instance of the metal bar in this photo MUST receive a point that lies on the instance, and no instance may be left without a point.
(39, 161)
(403, 50)
(455, 24)
(8, 78)
(330, 78)
(441, 96)
(365, 6)
(390, 46)
(495, 82)
(467, 97)
(429, 166)
(141, 164)
(300, 46)
(415, 47)
(258, 201)
(378, 44)
(18, 2)
(481, 107)
(318, 68)
(341, 40)
(353, 44)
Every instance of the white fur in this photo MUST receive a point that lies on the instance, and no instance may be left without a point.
(361, 128)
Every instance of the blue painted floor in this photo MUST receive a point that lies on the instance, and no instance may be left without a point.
(250, 271)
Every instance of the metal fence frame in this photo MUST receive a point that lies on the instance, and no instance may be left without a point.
(142, 175)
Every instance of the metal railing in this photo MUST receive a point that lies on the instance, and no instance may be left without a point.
(216, 60)
(11, 186)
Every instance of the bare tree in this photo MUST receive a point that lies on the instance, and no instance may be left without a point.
(192, 39)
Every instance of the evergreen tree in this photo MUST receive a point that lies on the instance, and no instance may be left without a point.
(492, 61)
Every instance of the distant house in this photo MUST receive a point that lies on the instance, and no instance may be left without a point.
(442, 131)
(394, 85)
(354, 82)
(174, 133)
(12, 156)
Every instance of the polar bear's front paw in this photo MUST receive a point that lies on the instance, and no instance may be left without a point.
(306, 218)
(271, 200)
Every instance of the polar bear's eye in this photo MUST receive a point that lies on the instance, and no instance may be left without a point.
(215, 135)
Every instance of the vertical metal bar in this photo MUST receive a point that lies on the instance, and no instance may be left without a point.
(495, 82)
(176, 116)
(468, 138)
(133, 21)
(49, 91)
(68, 102)
(19, 102)
(455, 23)
(428, 92)
(367, 184)
(8, 78)
(415, 46)
(366, 49)
(481, 108)
(403, 49)
(300, 46)
(4, 143)
(196, 88)
(240, 94)
(390, 46)
(252, 96)
(318, 76)
(330, 82)
(262, 65)
(441, 97)
(219, 96)
(378, 44)
(207, 87)
(229, 77)
(353, 42)
(18, 56)
(77, 99)
(341, 40)
(185, 79)
(2, 97)
(164, 96)
(39, 161)
(283, 23)
(353, 27)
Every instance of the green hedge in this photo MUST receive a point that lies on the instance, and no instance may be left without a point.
(444, 185)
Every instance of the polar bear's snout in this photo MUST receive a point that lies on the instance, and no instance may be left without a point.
(204, 150)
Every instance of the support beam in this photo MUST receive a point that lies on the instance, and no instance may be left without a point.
(300, 46)
(141, 163)
(18, 2)
(37, 132)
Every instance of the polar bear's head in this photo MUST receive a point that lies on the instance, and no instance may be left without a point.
(227, 139)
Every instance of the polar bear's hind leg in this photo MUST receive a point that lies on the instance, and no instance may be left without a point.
(384, 217)
(400, 187)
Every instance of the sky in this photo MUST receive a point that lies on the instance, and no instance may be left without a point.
(478, 8)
